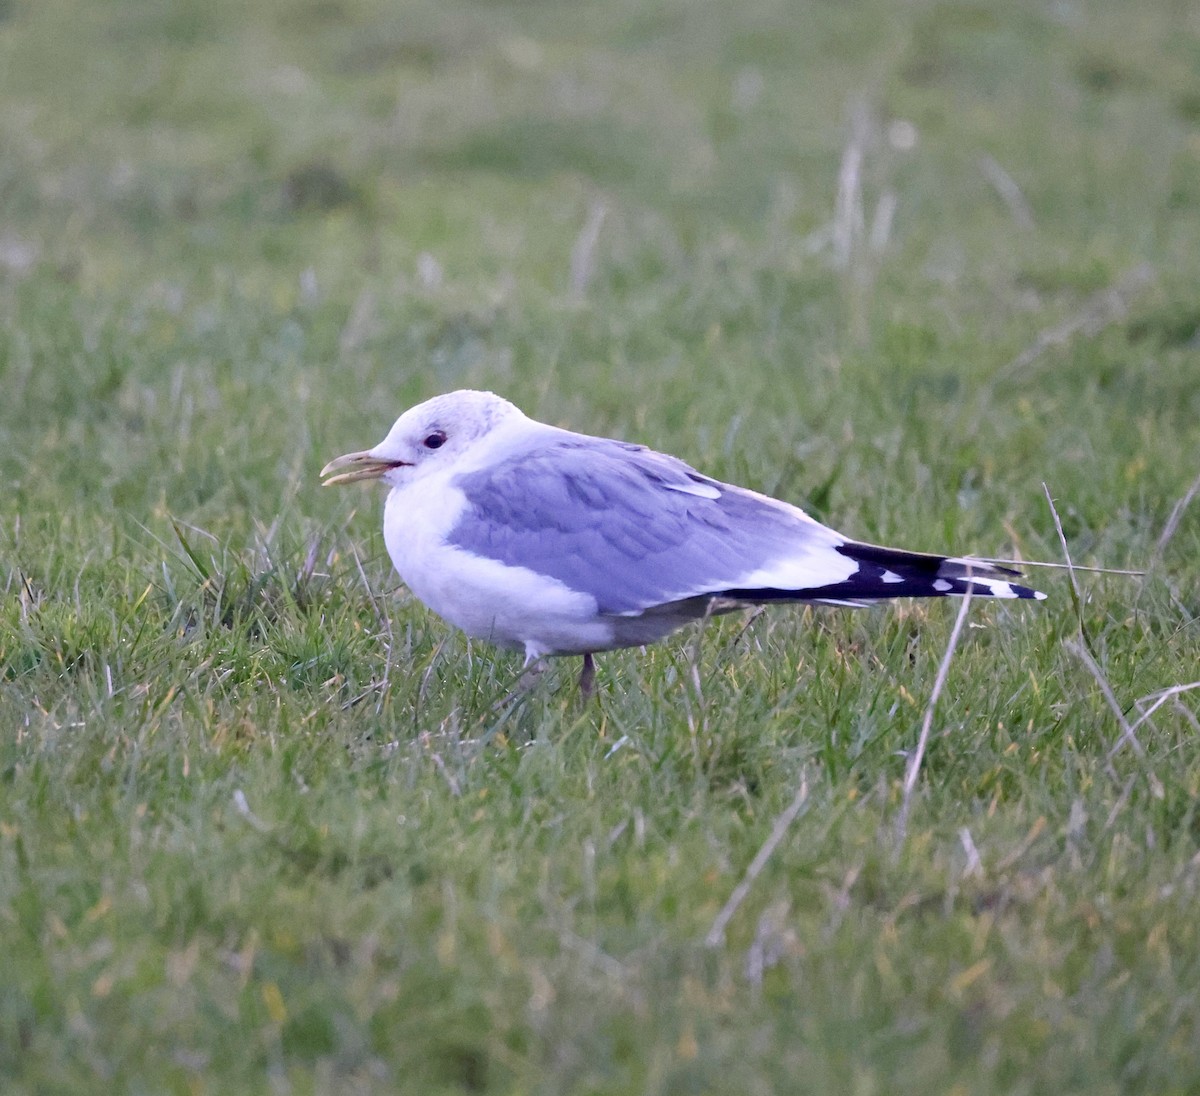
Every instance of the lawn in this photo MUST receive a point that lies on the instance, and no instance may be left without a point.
(264, 824)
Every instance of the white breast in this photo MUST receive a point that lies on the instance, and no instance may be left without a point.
(490, 600)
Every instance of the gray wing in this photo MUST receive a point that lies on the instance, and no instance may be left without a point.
(635, 528)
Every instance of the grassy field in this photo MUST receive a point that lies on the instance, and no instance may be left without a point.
(262, 827)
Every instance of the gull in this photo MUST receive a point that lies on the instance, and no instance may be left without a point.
(556, 543)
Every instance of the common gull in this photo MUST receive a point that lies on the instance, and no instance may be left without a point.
(557, 543)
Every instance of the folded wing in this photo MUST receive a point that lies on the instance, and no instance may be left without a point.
(638, 530)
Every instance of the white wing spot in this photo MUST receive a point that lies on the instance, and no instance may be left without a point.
(999, 587)
(942, 586)
(701, 490)
(891, 576)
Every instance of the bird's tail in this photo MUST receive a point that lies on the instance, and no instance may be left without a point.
(885, 573)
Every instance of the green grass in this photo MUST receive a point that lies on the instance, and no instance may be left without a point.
(262, 826)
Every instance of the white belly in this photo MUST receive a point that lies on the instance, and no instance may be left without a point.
(511, 606)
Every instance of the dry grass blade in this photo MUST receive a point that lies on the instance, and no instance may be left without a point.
(716, 934)
(913, 768)
(1093, 667)
(1128, 737)
(1084, 652)
(881, 223)
(1076, 596)
(1010, 193)
(1020, 563)
(242, 806)
(1187, 714)
(1160, 698)
(583, 254)
(1104, 307)
(1176, 516)
(848, 217)
(974, 865)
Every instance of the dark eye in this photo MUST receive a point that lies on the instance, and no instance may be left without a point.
(435, 440)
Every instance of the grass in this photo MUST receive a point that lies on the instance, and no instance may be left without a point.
(262, 826)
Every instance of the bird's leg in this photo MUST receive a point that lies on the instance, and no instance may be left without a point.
(532, 670)
(587, 676)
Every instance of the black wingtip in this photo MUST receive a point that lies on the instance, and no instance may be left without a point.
(886, 573)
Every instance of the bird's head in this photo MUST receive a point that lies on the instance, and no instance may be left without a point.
(431, 435)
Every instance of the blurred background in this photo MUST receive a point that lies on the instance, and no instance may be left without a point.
(826, 219)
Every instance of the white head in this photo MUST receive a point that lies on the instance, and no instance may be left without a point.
(432, 434)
